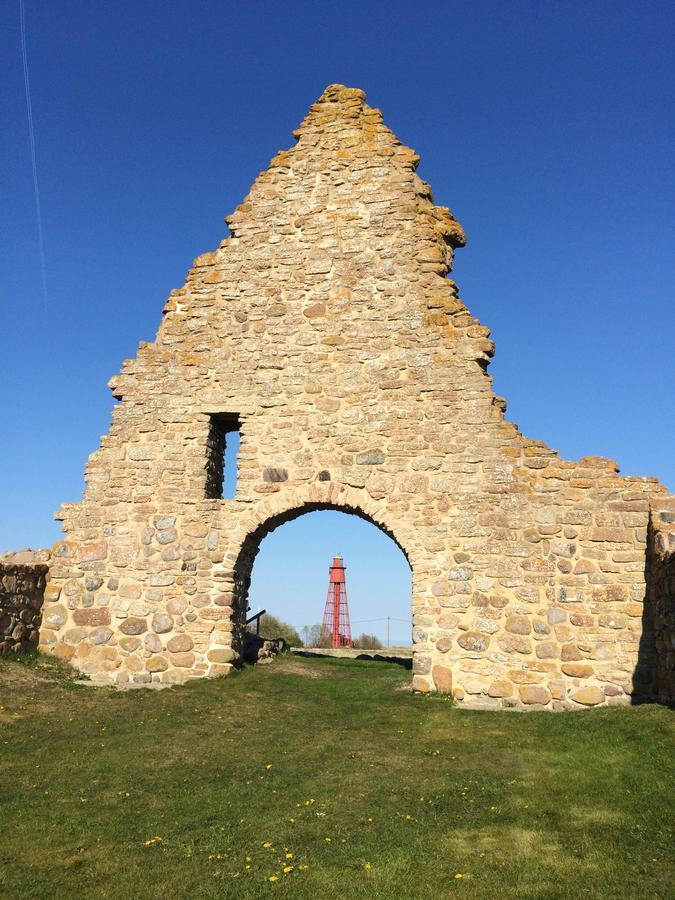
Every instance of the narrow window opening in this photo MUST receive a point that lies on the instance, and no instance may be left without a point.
(221, 456)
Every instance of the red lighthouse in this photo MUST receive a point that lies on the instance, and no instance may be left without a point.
(336, 614)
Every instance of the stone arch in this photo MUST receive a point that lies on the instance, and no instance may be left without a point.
(280, 510)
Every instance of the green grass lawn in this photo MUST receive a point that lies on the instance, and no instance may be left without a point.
(330, 769)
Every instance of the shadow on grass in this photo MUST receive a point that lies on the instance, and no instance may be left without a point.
(376, 658)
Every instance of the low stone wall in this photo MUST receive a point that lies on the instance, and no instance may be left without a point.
(22, 587)
(661, 586)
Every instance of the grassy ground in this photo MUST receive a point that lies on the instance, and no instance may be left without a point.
(331, 769)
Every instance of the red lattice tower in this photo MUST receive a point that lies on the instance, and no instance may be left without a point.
(336, 614)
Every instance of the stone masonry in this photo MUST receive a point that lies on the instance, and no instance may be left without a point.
(325, 328)
(657, 662)
(23, 577)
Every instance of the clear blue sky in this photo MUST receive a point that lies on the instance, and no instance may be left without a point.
(543, 125)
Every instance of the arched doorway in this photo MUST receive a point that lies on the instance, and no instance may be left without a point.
(292, 552)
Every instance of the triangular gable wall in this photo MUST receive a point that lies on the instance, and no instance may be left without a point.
(326, 328)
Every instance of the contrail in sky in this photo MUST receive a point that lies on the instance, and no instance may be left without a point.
(31, 131)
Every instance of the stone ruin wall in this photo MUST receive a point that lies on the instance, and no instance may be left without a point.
(326, 327)
(660, 603)
(22, 584)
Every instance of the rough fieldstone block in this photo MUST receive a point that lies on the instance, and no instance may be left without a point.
(100, 635)
(442, 677)
(157, 664)
(577, 670)
(535, 694)
(274, 476)
(183, 660)
(518, 625)
(473, 641)
(589, 696)
(94, 551)
(222, 655)
(93, 616)
(133, 626)
(180, 643)
(161, 623)
(500, 688)
(372, 458)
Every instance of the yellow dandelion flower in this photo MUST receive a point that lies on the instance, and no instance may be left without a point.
(248, 859)
(458, 875)
(367, 865)
(287, 869)
(302, 868)
(268, 766)
(290, 855)
(292, 821)
(328, 840)
(273, 878)
(267, 845)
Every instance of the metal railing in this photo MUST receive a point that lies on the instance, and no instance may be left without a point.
(256, 619)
